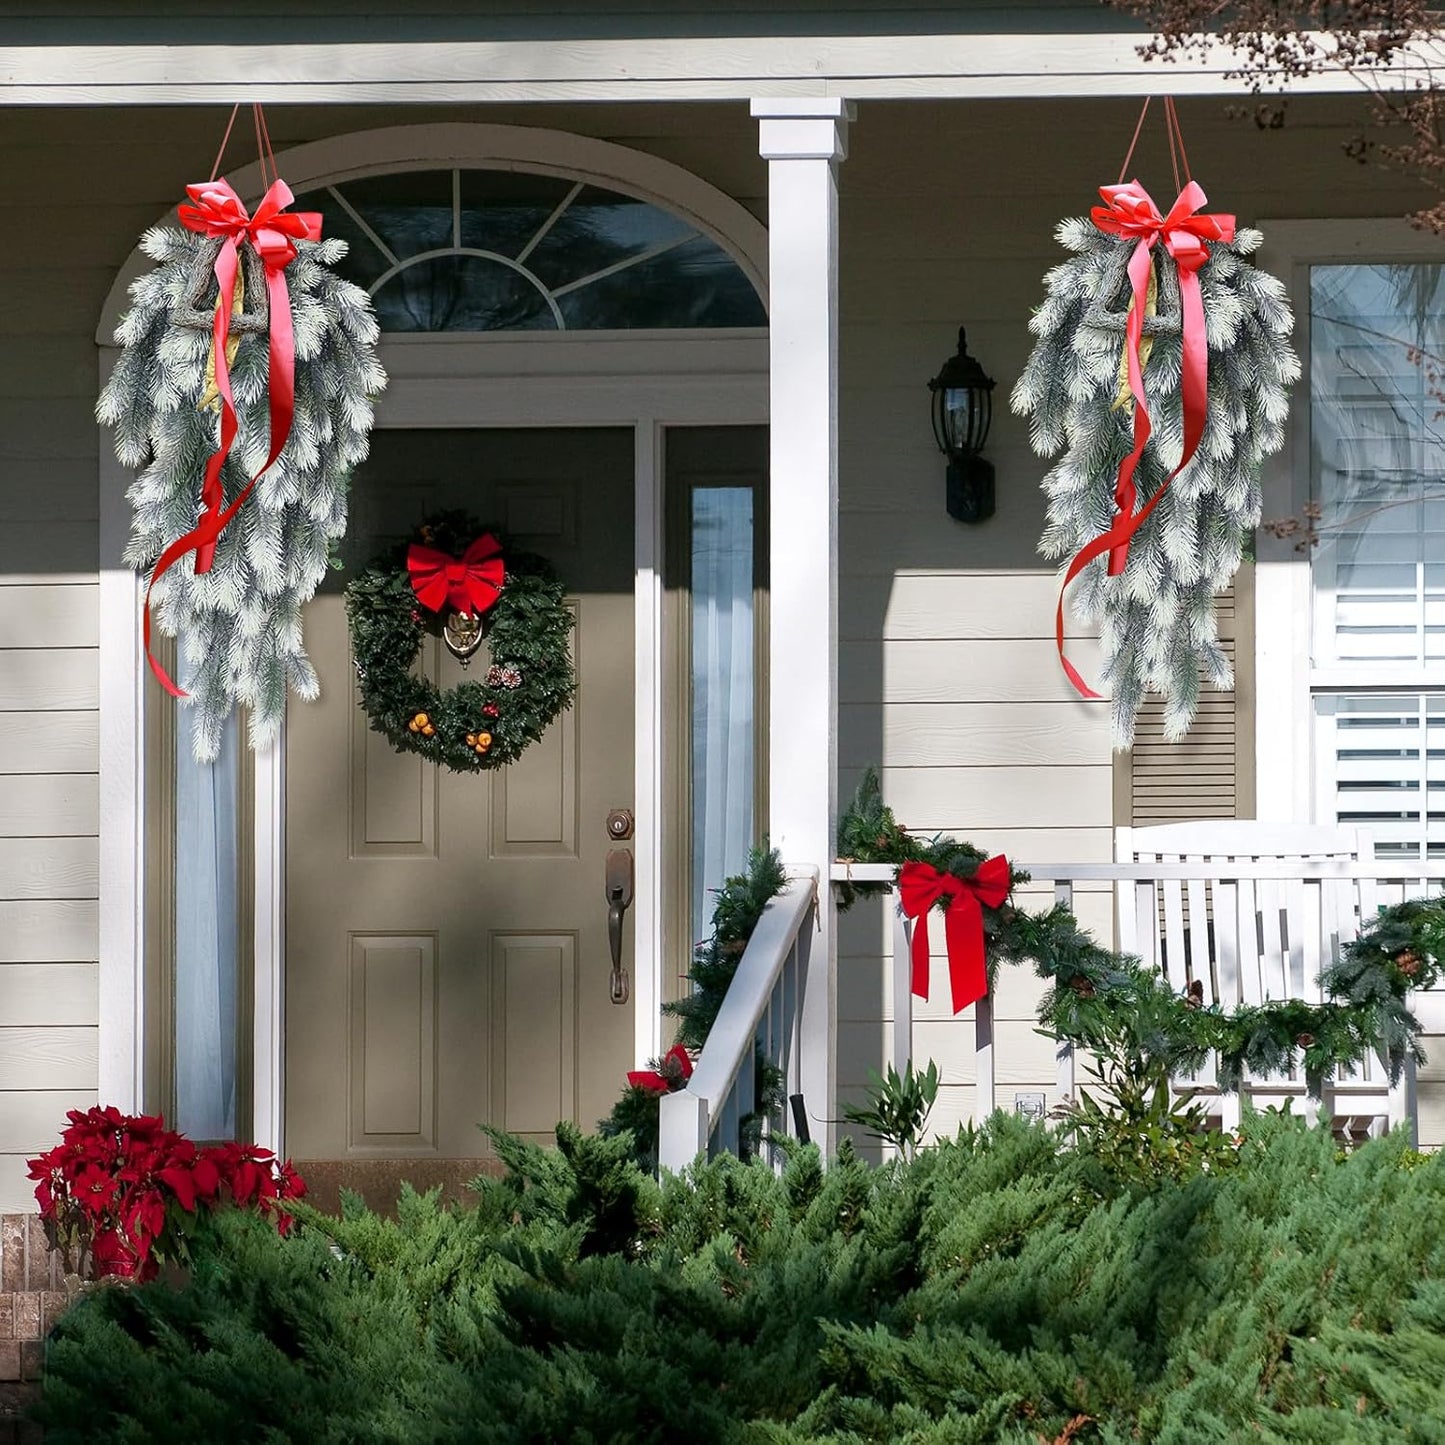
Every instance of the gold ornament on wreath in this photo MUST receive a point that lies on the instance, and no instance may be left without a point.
(463, 582)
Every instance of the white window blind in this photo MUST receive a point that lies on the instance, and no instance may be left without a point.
(1377, 481)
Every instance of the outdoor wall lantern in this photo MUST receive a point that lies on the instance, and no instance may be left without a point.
(962, 410)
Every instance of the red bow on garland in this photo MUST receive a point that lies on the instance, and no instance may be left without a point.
(920, 886)
(656, 1083)
(273, 232)
(470, 584)
(1130, 213)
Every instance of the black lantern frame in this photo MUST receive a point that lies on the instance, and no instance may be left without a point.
(962, 413)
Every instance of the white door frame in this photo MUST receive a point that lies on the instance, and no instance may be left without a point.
(644, 380)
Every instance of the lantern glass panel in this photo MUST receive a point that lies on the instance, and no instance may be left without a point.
(966, 417)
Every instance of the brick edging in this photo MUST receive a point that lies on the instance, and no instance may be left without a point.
(32, 1296)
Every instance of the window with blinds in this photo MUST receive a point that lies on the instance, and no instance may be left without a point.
(1377, 574)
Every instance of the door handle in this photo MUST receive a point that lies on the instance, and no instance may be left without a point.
(618, 892)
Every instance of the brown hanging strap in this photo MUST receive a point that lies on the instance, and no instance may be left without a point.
(1177, 132)
(1138, 126)
(264, 154)
(225, 141)
(1178, 158)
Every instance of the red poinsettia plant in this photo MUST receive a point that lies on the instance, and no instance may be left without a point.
(121, 1192)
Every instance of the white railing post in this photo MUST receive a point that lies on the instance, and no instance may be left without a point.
(983, 1094)
(1064, 1053)
(804, 141)
(682, 1129)
(902, 1053)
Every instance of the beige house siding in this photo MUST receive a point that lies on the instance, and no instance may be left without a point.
(948, 678)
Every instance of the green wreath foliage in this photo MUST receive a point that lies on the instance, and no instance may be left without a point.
(516, 696)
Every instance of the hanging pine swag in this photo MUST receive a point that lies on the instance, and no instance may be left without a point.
(238, 311)
(455, 574)
(1158, 341)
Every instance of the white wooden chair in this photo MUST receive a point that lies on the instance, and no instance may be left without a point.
(1221, 923)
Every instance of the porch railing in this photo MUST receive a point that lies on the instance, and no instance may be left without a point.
(1378, 882)
(761, 1013)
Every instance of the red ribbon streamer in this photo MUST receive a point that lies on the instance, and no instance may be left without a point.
(469, 584)
(1130, 213)
(920, 886)
(273, 232)
(656, 1083)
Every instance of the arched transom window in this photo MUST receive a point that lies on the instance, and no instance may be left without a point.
(494, 250)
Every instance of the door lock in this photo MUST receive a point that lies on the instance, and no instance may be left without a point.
(618, 893)
(619, 824)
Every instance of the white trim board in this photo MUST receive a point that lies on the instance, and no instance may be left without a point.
(1283, 727)
(883, 66)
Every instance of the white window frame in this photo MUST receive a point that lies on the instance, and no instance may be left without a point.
(1288, 788)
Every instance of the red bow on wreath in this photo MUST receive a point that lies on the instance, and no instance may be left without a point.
(469, 584)
(656, 1083)
(920, 886)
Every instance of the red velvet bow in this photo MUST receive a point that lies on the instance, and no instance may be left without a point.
(656, 1083)
(273, 232)
(920, 886)
(1130, 213)
(469, 584)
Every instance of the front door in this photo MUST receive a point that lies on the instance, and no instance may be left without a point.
(447, 952)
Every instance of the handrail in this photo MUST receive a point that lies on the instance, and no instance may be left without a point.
(1143, 870)
(689, 1116)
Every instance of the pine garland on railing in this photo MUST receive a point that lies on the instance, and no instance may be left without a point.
(740, 904)
(1096, 996)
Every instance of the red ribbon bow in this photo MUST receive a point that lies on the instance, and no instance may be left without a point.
(656, 1083)
(920, 886)
(273, 232)
(1130, 213)
(469, 584)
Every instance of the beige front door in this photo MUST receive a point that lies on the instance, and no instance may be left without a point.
(447, 955)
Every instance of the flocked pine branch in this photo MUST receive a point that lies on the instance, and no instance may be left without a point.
(239, 624)
(1157, 620)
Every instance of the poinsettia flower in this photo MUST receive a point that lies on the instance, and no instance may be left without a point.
(292, 1186)
(95, 1188)
(182, 1183)
(674, 1071)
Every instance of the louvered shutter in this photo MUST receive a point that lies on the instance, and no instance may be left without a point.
(1203, 776)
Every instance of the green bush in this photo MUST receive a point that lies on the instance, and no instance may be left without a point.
(995, 1288)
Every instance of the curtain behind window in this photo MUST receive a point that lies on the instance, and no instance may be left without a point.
(206, 944)
(723, 689)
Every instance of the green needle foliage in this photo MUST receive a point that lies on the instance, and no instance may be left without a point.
(996, 1288)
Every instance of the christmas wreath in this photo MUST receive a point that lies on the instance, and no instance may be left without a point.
(462, 581)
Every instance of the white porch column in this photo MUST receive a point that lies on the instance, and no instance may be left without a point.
(803, 141)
